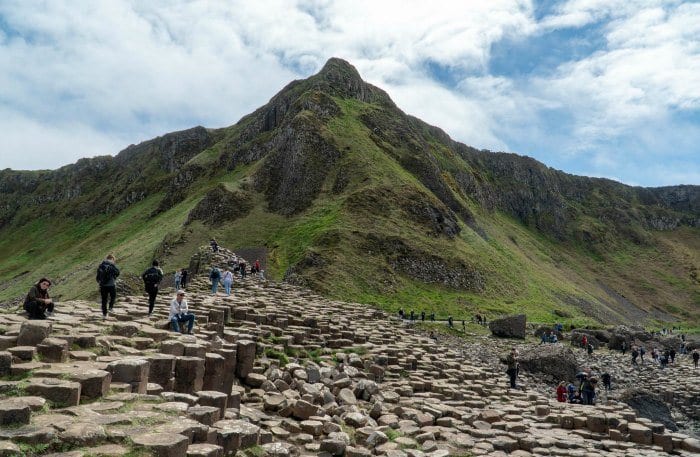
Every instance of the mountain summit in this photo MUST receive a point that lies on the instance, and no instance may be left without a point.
(345, 193)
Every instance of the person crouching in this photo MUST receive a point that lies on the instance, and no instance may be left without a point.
(179, 313)
(38, 303)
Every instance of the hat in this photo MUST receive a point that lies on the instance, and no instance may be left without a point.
(181, 292)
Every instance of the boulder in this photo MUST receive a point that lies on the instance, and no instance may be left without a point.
(32, 333)
(553, 360)
(509, 326)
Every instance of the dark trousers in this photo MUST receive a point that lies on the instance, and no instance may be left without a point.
(152, 292)
(588, 397)
(37, 309)
(105, 292)
(512, 374)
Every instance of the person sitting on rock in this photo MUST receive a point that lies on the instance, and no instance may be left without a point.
(571, 391)
(38, 303)
(179, 313)
(561, 392)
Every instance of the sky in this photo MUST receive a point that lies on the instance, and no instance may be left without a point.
(605, 88)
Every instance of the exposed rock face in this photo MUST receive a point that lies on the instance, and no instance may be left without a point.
(650, 406)
(220, 205)
(509, 327)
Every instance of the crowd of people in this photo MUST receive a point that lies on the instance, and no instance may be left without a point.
(584, 388)
(39, 305)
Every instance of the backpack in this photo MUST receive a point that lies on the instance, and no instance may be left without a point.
(152, 276)
(104, 272)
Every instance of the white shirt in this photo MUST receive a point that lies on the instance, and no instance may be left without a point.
(228, 276)
(178, 307)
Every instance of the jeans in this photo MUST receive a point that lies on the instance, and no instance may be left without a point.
(111, 292)
(588, 397)
(227, 287)
(180, 318)
(214, 286)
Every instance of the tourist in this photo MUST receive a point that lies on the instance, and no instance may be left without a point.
(642, 351)
(256, 266)
(589, 348)
(432, 317)
(214, 277)
(214, 245)
(543, 338)
(179, 313)
(228, 280)
(588, 390)
(635, 354)
(151, 279)
(107, 274)
(584, 342)
(401, 313)
(183, 278)
(572, 393)
(663, 360)
(561, 392)
(696, 356)
(37, 303)
(512, 362)
(422, 316)
(449, 322)
(623, 347)
(606, 380)
(672, 355)
(177, 278)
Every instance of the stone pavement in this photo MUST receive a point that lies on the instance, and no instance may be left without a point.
(275, 370)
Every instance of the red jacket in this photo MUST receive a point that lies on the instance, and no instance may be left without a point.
(561, 394)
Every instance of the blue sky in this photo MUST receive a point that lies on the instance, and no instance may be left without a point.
(592, 87)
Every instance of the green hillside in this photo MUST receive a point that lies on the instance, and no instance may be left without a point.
(357, 200)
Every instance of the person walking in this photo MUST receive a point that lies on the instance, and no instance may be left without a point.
(178, 279)
(696, 356)
(606, 381)
(635, 354)
(151, 279)
(512, 363)
(672, 355)
(642, 351)
(107, 274)
(183, 278)
(180, 313)
(623, 347)
(228, 281)
(37, 302)
(214, 277)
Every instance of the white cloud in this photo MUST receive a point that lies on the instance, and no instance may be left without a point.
(79, 77)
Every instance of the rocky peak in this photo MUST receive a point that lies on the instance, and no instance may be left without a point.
(338, 77)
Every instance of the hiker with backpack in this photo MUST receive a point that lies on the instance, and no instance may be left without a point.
(215, 278)
(151, 279)
(38, 303)
(107, 274)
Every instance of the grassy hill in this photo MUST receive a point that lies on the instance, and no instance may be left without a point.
(359, 201)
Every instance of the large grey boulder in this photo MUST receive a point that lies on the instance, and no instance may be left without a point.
(649, 405)
(556, 361)
(509, 326)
